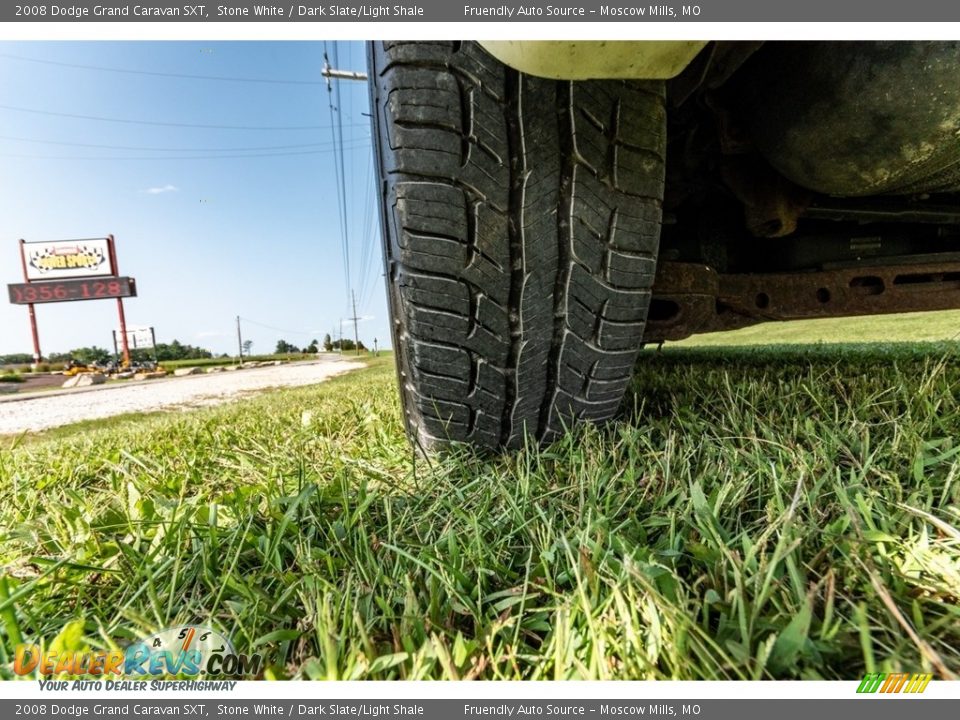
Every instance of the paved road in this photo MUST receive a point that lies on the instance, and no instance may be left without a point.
(46, 411)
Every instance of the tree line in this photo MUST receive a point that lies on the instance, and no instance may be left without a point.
(174, 350)
(329, 345)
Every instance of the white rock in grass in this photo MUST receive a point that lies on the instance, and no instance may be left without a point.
(180, 372)
(71, 381)
(7, 388)
(306, 418)
(88, 379)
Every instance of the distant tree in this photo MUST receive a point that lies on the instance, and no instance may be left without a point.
(283, 347)
(141, 355)
(16, 359)
(176, 350)
(88, 355)
(327, 343)
(247, 344)
(345, 343)
(197, 353)
(312, 347)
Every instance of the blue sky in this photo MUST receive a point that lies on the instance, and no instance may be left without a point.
(213, 222)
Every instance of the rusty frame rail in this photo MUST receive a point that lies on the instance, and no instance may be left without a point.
(691, 298)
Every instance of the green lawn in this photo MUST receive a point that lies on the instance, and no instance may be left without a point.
(172, 365)
(917, 327)
(754, 514)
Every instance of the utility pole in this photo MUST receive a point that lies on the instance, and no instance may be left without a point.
(328, 72)
(340, 344)
(356, 336)
(239, 341)
(334, 74)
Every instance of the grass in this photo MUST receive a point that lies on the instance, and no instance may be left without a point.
(98, 426)
(942, 325)
(27, 368)
(222, 361)
(754, 514)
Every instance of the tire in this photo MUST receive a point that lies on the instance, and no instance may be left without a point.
(521, 219)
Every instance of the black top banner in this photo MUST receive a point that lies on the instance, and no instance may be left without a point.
(486, 11)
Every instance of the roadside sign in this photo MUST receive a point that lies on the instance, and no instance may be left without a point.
(69, 270)
(45, 291)
(57, 259)
(141, 337)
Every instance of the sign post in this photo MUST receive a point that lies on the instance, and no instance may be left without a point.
(33, 314)
(123, 319)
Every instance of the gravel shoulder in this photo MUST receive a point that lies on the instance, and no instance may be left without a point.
(47, 411)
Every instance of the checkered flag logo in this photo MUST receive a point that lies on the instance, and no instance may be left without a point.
(66, 258)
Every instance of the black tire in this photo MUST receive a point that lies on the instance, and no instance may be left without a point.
(521, 220)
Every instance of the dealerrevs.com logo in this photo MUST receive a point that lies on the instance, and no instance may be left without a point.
(184, 650)
(911, 683)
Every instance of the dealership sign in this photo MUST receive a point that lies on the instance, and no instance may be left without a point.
(56, 271)
(67, 259)
(65, 290)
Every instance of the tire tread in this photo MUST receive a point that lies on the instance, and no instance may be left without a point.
(521, 221)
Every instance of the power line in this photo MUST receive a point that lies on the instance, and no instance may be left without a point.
(340, 170)
(343, 170)
(376, 276)
(367, 280)
(177, 157)
(372, 265)
(166, 149)
(162, 124)
(184, 76)
(271, 327)
(366, 286)
(366, 252)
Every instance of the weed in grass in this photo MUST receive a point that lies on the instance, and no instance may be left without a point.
(753, 515)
